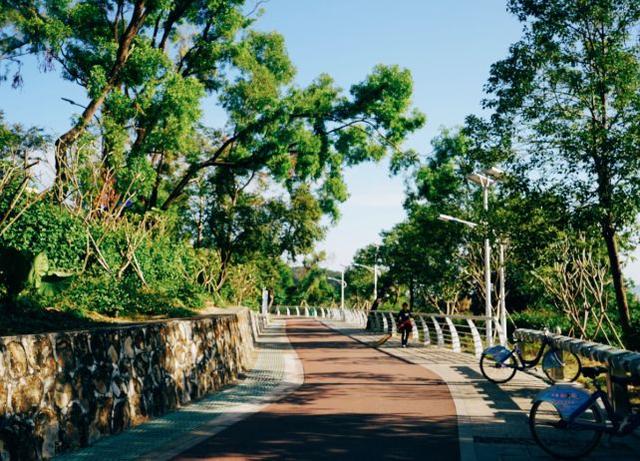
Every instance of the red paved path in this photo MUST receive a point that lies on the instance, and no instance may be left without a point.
(356, 403)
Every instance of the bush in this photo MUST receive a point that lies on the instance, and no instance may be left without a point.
(48, 228)
(168, 265)
(539, 319)
(99, 294)
(114, 298)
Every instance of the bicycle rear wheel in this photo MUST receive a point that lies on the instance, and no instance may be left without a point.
(497, 372)
(568, 369)
(560, 439)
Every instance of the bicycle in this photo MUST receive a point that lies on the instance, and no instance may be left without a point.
(499, 364)
(567, 422)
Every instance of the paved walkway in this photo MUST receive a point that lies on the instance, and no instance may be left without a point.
(355, 403)
(492, 419)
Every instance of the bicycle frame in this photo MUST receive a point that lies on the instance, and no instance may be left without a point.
(614, 428)
(521, 363)
(525, 364)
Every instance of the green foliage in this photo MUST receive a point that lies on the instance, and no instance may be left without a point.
(154, 210)
(541, 318)
(50, 229)
(113, 298)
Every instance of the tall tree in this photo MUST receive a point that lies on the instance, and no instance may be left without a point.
(147, 66)
(568, 95)
(423, 254)
(247, 220)
(139, 150)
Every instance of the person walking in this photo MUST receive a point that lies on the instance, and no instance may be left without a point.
(404, 324)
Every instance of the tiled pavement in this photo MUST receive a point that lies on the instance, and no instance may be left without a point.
(492, 419)
(276, 372)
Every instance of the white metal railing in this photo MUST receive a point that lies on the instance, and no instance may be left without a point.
(460, 333)
(259, 323)
(356, 317)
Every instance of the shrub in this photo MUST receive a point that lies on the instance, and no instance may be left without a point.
(48, 228)
(113, 298)
(539, 319)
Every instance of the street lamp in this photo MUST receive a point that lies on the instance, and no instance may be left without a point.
(343, 285)
(374, 269)
(486, 179)
(446, 217)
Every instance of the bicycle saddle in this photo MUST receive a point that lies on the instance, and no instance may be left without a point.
(593, 372)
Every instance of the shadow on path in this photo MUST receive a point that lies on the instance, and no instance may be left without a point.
(355, 403)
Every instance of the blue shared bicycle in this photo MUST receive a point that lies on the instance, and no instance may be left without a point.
(499, 364)
(568, 422)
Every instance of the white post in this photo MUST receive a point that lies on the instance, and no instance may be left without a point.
(503, 301)
(487, 270)
(342, 289)
(375, 282)
(265, 301)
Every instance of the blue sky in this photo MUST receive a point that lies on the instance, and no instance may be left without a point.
(447, 45)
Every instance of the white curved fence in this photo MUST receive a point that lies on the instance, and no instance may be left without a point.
(460, 333)
(357, 317)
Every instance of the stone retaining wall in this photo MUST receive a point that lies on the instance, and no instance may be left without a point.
(64, 390)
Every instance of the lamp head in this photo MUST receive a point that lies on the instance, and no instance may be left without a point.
(495, 173)
(480, 179)
(446, 217)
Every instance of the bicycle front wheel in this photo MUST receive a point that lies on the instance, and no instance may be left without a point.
(497, 372)
(562, 440)
(567, 366)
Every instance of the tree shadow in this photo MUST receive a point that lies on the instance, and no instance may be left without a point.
(269, 436)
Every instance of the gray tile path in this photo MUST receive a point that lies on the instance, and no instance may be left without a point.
(276, 372)
(492, 419)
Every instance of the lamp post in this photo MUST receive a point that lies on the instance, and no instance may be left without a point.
(503, 301)
(343, 285)
(374, 269)
(486, 180)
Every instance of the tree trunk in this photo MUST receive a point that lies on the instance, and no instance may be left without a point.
(153, 197)
(610, 238)
(67, 139)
